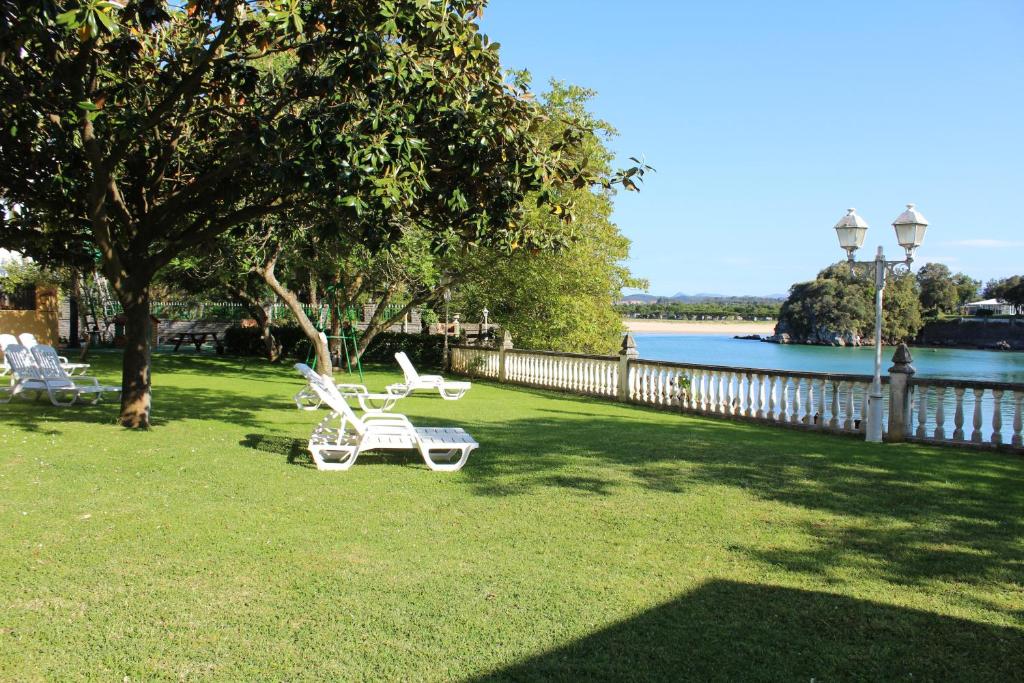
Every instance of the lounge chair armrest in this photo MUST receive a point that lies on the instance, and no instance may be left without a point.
(353, 389)
(387, 401)
(388, 418)
(400, 390)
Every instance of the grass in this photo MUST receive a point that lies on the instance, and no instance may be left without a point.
(583, 539)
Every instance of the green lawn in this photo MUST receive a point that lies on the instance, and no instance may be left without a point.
(584, 539)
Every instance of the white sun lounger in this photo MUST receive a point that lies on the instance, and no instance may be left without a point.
(449, 390)
(444, 449)
(307, 398)
(28, 340)
(5, 341)
(40, 370)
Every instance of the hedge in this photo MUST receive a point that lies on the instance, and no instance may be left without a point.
(425, 351)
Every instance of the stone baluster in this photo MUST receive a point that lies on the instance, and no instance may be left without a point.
(940, 414)
(751, 411)
(1018, 419)
(822, 385)
(863, 408)
(958, 414)
(808, 418)
(771, 397)
(848, 423)
(796, 417)
(833, 421)
(997, 416)
(976, 435)
(730, 394)
(922, 412)
(762, 398)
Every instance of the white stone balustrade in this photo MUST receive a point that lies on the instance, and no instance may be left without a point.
(806, 400)
(995, 410)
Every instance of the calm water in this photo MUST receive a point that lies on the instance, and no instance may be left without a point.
(702, 349)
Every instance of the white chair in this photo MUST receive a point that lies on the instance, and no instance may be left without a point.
(307, 398)
(29, 374)
(444, 449)
(28, 340)
(5, 341)
(449, 390)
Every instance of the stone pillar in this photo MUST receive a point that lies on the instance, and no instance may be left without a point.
(627, 353)
(504, 345)
(900, 395)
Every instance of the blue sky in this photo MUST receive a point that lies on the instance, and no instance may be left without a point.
(766, 120)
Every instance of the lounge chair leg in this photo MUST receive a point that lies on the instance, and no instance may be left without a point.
(317, 452)
(447, 466)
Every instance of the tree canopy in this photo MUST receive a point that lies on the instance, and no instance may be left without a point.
(134, 131)
(839, 306)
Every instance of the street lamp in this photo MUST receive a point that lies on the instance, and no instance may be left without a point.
(851, 229)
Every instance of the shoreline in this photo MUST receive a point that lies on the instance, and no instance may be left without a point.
(720, 327)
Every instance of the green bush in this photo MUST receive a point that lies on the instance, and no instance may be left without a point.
(246, 341)
(423, 350)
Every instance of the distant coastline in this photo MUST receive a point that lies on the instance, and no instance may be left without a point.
(731, 327)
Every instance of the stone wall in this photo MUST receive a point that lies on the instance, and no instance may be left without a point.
(1003, 334)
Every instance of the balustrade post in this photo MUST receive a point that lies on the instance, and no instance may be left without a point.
(627, 353)
(503, 346)
(900, 394)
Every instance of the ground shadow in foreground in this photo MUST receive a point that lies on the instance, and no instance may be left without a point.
(731, 631)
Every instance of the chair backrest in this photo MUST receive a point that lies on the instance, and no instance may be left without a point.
(329, 394)
(28, 340)
(48, 362)
(23, 365)
(6, 340)
(407, 368)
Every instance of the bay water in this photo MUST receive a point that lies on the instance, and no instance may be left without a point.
(708, 349)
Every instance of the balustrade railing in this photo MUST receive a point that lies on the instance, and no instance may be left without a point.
(940, 411)
(966, 412)
(575, 372)
(807, 399)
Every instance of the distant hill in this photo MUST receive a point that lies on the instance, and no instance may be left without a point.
(700, 298)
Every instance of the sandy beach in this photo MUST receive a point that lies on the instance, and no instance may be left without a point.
(701, 326)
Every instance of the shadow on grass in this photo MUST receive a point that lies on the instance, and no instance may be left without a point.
(908, 514)
(295, 452)
(731, 631)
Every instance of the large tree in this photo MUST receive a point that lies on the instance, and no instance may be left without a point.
(838, 304)
(938, 290)
(142, 129)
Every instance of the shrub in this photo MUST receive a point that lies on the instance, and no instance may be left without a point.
(423, 350)
(246, 341)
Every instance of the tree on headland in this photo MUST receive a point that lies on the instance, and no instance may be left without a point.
(137, 131)
(837, 308)
(999, 288)
(939, 292)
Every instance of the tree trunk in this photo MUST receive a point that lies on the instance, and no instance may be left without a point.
(270, 342)
(135, 376)
(323, 356)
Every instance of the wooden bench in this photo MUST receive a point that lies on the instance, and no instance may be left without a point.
(196, 332)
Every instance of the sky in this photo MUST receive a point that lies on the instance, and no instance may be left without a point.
(767, 120)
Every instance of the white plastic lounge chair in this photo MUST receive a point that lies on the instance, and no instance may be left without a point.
(336, 448)
(28, 340)
(39, 371)
(449, 390)
(5, 341)
(307, 399)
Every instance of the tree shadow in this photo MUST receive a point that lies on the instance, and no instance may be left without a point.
(733, 631)
(908, 514)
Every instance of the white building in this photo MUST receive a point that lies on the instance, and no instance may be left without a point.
(996, 306)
